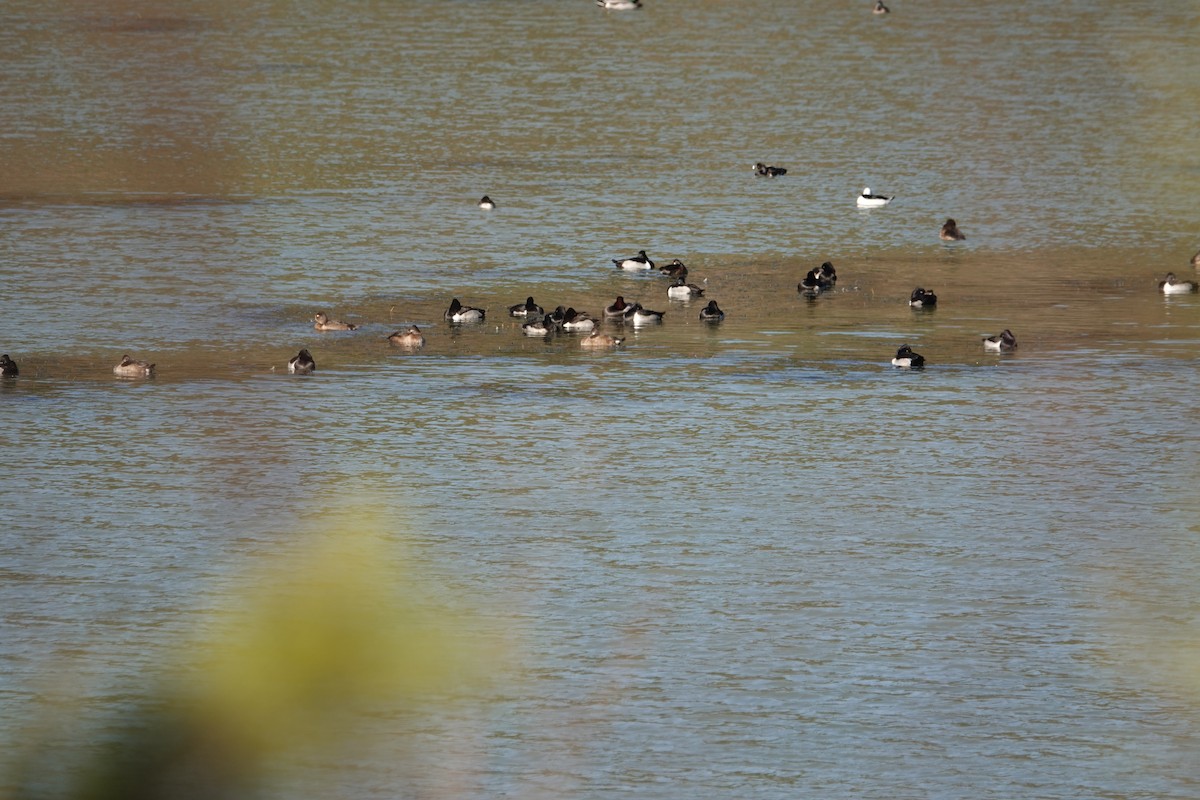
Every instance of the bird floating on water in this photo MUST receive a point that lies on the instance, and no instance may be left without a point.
(1001, 342)
(1172, 285)
(131, 368)
(486, 203)
(880, 8)
(922, 298)
(905, 357)
(322, 322)
(950, 232)
(409, 338)
(869, 200)
(619, 5)
(712, 312)
(460, 313)
(640, 261)
(769, 171)
(8, 367)
(302, 363)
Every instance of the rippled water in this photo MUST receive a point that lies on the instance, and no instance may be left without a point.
(745, 560)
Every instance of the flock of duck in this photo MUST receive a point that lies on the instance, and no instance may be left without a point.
(539, 322)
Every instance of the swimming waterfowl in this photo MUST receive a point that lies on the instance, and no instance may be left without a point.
(598, 339)
(640, 261)
(539, 327)
(323, 323)
(711, 312)
(880, 8)
(921, 298)
(1001, 342)
(770, 172)
(810, 284)
(302, 363)
(619, 5)
(486, 203)
(868, 200)
(619, 309)
(557, 316)
(8, 367)
(526, 309)
(460, 313)
(682, 290)
(409, 338)
(644, 316)
(131, 368)
(950, 232)
(1172, 285)
(827, 273)
(905, 357)
(577, 321)
(675, 269)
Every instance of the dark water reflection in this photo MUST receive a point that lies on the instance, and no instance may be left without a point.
(750, 559)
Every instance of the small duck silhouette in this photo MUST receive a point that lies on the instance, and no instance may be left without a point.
(8, 367)
(1001, 342)
(131, 368)
(950, 232)
(905, 357)
(322, 322)
(409, 338)
(302, 363)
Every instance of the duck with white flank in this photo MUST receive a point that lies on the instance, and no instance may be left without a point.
(644, 316)
(526, 309)
(598, 339)
(322, 322)
(409, 338)
(682, 290)
(8, 367)
(620, 5)
(1002, 342)
(767, 171)
(675, 269)
(640, 261)
(619, 309)
(578, 321)
(1172, 285)
(950, 232)
(869, 200)
(922, 298)
(711, 312)
(460, 313)
(540, 327)
(131, 368)
(827, 273)
(486, 203)
(905, 357)
(810, 284)
(880, 8)
(302, 363)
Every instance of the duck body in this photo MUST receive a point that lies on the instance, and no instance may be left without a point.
(827, 273)
(8, 367)
(486, 203)
(811, 283)
(409, 338)
(644, 316)
(1002, 342)
(322, 322)
(638, 262)
(601, 340)
(1172, 285)
(620, 5)
(769, 171)
(880, 8)
(302, 363)
(676, 269)
(922, 298)
(578, 321)
(869, 200)
(460, 313)
(526, 309)
(682, 290)
(711, 312)
(132, 368)
(619, 309)
(906, 358)
(950, 232)
(540, 327)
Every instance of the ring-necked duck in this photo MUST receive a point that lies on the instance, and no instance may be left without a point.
(528, 308)
(460, 313)
(922, 298)
(905, 357)
(322, 322)
(578, 321)
(409, 338)
(640, 261)
(711, 312)
(768, 171)
(8, 367)
(619, 309)
(486, 203)
(619, 5)
(950, 232)
(302, 363)
(880, 8)
(644, 316)
(1173, 285)
(868, 200)
(675, 269)
(131, 368)
(682, 290)
(811, 283)
(1001, 342)
(540, 327)
(827, 273)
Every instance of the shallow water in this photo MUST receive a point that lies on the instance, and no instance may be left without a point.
(747, 560)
